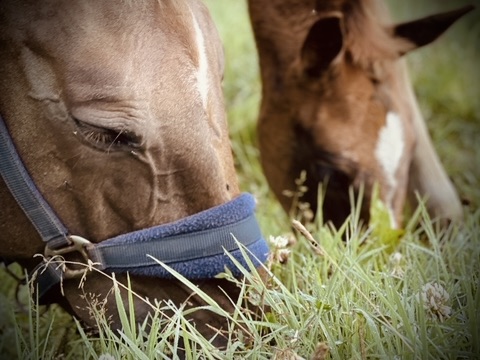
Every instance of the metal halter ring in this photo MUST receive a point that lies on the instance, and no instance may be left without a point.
(79, 244)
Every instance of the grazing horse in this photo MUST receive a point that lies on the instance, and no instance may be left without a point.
(337, 104)
(114, 146)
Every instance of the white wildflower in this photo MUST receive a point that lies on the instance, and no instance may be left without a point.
(279, 253)
(279, 242)
(396, 260)
(435, 299)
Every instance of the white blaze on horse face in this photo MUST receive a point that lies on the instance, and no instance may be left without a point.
(389, 152)
(202, 74)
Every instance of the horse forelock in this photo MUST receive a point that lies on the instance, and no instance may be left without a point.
(368, 36)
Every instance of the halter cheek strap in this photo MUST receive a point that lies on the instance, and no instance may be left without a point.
(23, 189)
(195, 246)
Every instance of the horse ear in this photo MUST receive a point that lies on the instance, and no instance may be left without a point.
(423, 31)
(322, 45)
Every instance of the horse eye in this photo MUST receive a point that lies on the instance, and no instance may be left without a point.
(107, 139)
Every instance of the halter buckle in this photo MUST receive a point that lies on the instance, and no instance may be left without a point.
(79, 244)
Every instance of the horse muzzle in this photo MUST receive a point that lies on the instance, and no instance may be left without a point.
(199, 246)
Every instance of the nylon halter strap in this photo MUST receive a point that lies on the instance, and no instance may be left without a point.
(195, 246)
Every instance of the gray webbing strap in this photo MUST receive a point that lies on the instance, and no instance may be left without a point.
(18, 181)
(173, 249)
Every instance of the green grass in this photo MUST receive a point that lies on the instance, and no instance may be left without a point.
(359, 300)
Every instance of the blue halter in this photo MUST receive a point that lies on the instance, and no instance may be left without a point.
(195, 246)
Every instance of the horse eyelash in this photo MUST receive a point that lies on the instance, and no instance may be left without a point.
(109, 137)
(97, 137)
(106, 137)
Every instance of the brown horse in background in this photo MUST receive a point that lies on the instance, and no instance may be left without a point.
(337, 103)
(116, 111)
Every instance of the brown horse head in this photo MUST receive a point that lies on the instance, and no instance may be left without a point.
(116, 110)
(337, 104)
